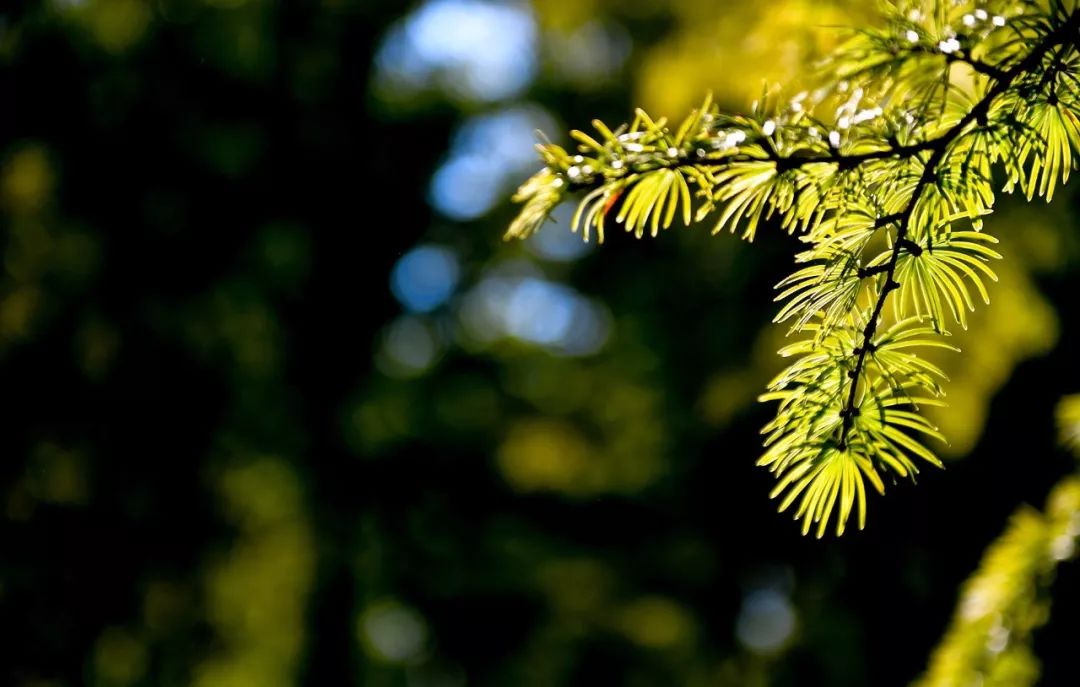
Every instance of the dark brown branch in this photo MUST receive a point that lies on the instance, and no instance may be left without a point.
(911, 247)
(865, 272)
(784, 164)
(985, 69)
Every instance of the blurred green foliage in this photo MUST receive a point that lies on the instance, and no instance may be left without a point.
(1009, 597)
(236, 455)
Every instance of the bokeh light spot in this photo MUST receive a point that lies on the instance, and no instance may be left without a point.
(533, 310)
(656, 623)
(469, 49)
(766, 621)
(26, 179)
(591, 55)
(466, 187)
(556, 242)
(120, 658)
(425, 277)
(545, 454)
(488, 155)
(392, 632)
(116, 25)
(409, 348)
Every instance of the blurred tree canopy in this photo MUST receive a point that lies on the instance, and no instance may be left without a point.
(281, 408)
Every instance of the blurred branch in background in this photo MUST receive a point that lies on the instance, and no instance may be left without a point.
(1008, 598)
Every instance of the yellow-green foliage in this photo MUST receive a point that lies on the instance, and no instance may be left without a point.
(885, 168)
(989, 640)
(256, 591)
(1068, 416)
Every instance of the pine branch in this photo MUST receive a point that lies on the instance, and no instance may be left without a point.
(890, 142)
(1061, 35)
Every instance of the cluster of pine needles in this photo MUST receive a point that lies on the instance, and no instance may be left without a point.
(885, 170)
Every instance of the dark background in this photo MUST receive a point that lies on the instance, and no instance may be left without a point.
(235, 449)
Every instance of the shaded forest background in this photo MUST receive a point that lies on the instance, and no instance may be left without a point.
(280, 407)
